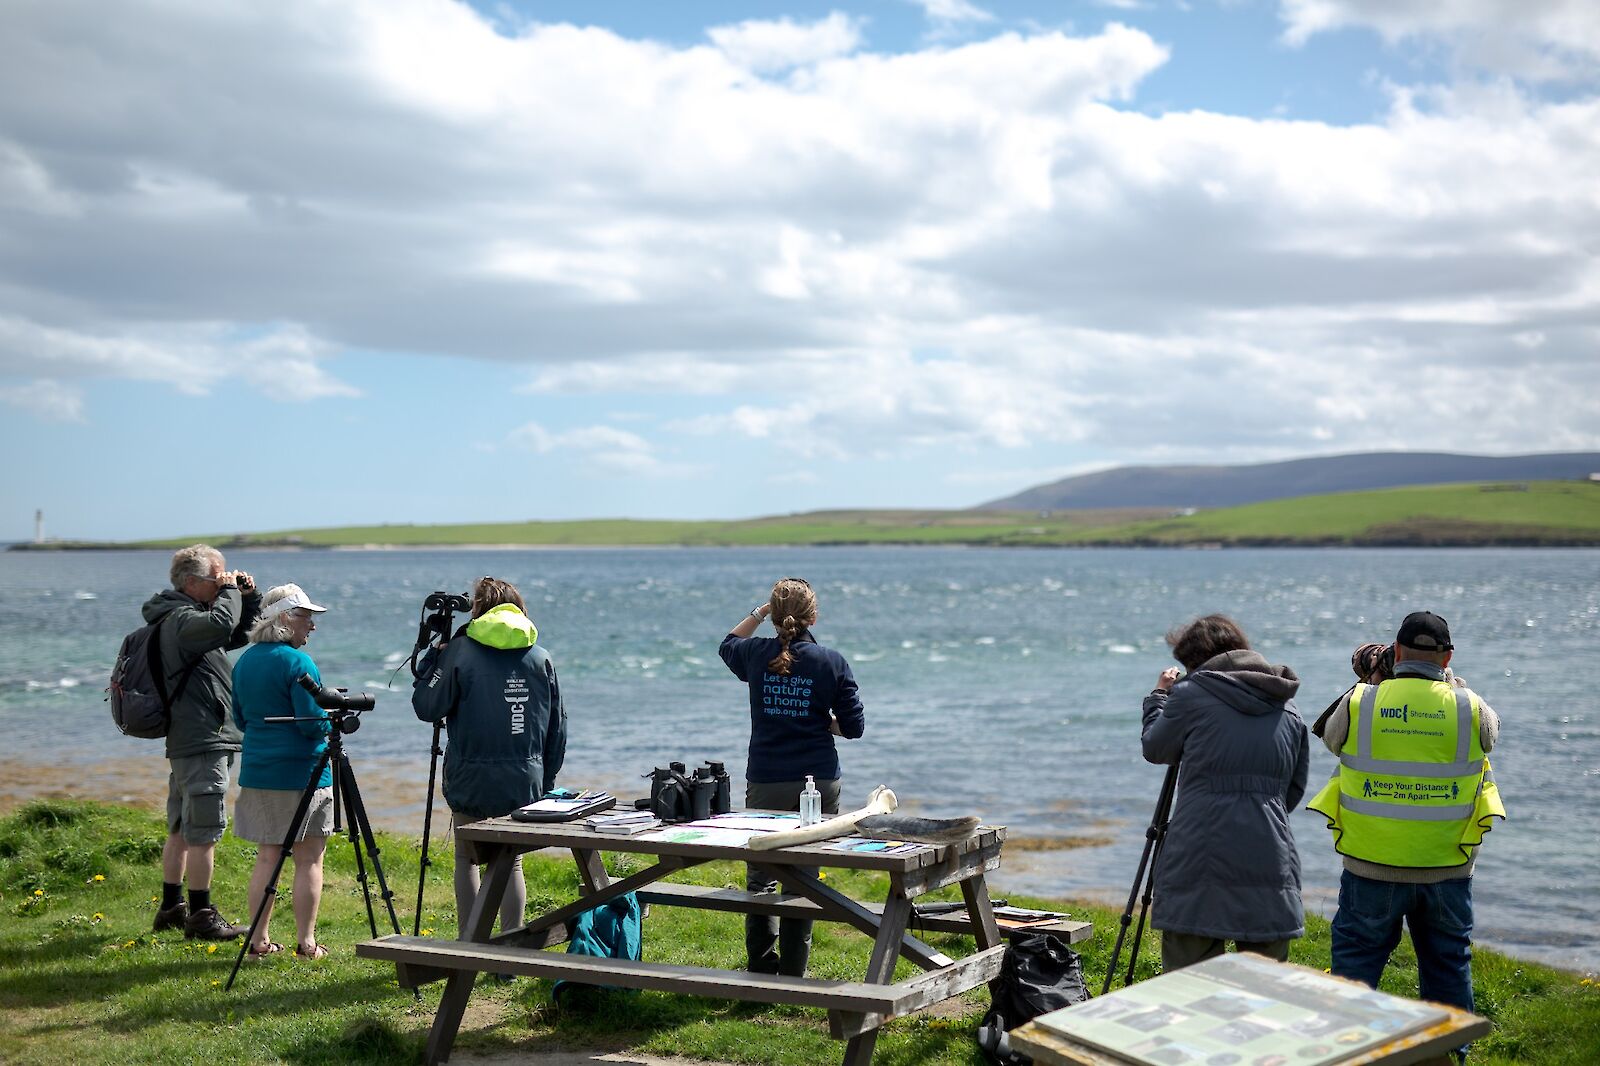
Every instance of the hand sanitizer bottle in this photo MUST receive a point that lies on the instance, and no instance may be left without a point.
(810, 803)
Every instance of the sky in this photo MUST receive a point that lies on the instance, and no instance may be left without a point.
(304, 263)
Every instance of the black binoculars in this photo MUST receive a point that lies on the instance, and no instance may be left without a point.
(676, 795)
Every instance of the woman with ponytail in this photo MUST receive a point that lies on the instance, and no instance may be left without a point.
(802, 695)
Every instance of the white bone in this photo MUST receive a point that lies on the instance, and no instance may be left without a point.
(881, 801)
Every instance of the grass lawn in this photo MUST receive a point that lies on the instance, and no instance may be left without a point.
(83, 980)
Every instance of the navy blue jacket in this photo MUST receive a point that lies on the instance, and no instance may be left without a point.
(502, 710)
(789, 735)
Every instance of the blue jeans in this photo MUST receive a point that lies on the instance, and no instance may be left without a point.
(1366, 929)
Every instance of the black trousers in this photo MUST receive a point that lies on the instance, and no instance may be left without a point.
(775, 945)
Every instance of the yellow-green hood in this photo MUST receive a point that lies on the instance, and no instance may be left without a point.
(503, 627)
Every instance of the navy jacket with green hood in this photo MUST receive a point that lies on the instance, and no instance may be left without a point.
(496, 692)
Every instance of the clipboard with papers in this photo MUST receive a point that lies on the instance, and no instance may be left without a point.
(565, 805)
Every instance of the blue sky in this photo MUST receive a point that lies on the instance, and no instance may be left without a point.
(274, 266)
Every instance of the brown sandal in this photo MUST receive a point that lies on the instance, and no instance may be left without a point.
(270, 949)
(318, 951)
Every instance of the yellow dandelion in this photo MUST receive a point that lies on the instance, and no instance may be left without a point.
(427, 932)
(38, 892)
(130, 943)
(822, 875)
(99, 917)
(211, 949)
(99, 877)
(155, 899)
(215, 984)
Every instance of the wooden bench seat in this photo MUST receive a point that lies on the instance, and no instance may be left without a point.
(422, 959)
(783, 905)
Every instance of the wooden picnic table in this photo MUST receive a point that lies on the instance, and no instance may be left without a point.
(856, 1009)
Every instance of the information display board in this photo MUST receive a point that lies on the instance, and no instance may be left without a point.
(1241, 1010)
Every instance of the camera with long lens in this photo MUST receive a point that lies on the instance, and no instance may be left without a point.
(342, 705)
(437, 622)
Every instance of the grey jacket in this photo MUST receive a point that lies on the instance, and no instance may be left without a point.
(1229, 868)
(191, 630)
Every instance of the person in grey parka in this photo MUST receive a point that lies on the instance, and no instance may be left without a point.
(1228, 869)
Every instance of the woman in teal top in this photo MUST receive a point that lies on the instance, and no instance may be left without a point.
(277, 759)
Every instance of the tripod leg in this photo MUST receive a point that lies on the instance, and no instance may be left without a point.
(1155, 830)
(342, 787)
(427, 829)
(1157, 837)
(271, 891)
(361, 822)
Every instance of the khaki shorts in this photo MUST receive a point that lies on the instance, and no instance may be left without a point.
(196, 788)
(262, 815)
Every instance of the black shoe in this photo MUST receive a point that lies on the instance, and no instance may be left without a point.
(207, 923)
(172, 917)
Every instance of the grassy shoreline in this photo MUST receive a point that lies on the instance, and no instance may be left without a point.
(82, 979)
(1522, 514)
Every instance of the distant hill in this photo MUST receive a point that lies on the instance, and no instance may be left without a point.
(1229, 486)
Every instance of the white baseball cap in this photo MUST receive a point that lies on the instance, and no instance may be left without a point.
(294, 598)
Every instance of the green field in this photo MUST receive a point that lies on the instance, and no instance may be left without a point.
(1538, 513)
(83, 980)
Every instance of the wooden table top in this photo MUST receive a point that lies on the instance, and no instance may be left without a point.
(529, 836)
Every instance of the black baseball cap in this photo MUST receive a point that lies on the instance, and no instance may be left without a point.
(1424, 630)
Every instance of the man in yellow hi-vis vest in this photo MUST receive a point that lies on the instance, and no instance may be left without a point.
(1408, 806)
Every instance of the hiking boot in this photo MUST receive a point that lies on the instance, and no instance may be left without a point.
(172, 917)
(207, 923)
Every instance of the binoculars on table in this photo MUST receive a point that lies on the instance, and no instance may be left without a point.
(676, 795)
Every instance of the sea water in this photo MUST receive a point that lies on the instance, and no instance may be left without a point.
(999, 682)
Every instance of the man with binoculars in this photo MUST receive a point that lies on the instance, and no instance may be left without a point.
(1409, 804)
(207, 612)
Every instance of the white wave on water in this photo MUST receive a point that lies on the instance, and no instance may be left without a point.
(984, 640)
(1122, 649)
(394, 657)
(84, 596)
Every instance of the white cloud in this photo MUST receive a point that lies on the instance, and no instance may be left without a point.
(952, 11)
(601, 447)
(1537, 39)
(765, 46)
(47, 400)
(194, 358)
(961, 247)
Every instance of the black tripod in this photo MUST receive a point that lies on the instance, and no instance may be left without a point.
(1154, 837)
(345, 720)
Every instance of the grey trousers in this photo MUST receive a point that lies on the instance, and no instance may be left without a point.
(775, 945)
(1185, 949)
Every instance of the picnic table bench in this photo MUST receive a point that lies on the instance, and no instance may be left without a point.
(856, 1009)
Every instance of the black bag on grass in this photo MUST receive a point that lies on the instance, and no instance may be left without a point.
(1039, 974)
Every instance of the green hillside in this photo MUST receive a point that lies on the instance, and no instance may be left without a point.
(1538, 513)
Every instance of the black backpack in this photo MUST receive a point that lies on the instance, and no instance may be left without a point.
(1039, 974)
(138, 695)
